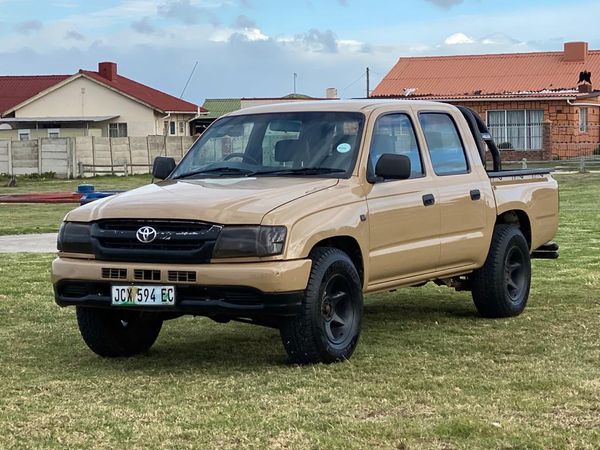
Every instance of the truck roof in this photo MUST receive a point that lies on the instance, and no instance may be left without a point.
(363, 105)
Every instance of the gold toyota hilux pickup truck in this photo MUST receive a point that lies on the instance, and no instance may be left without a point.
(286, 215)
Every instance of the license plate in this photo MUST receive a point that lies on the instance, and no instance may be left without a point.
(143, 295)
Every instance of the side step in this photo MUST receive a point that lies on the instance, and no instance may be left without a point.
(547, 251)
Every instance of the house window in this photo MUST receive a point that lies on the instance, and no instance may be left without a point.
(24, 135)
(182, 128)
(117, 130)
(516, 129)
(53, 133)
(165, 127)
(172, 128)
(583, 120)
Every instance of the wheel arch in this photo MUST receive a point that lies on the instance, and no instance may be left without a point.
(518, 218)
(348, 245)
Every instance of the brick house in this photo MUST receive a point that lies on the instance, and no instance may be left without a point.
(537, 105)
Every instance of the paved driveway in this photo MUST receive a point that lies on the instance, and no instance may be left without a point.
(28, 243)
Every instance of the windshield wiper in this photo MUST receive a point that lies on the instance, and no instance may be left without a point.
(219, 171)
(301, 171)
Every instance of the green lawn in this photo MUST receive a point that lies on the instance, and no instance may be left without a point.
(21, 218)
(428, 372)
(60, 185)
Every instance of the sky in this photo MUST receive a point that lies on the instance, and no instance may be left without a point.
(252, 48)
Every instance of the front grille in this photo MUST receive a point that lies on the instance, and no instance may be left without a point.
(146, 275)
(182, 276)
(175, 241)
(114, 273)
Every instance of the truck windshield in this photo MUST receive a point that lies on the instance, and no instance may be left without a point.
(276, 144)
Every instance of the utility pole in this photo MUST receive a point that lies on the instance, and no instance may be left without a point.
(368, 87)
(295, 76)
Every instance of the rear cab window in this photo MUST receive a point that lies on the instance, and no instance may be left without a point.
(444, 144)
(394, 133)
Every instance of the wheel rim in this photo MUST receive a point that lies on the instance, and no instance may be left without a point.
(337, 309)
(515, 274)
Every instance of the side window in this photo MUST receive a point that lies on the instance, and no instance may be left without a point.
(444, 144)
(394, 133)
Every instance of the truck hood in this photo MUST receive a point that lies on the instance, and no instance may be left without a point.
(216, 200)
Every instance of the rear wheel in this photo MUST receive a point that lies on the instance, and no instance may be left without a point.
(501, 287)
(113, 333)
(328, 327)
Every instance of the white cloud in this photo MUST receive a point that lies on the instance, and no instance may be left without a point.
(225, 34)
(457, 39)
(446, 4)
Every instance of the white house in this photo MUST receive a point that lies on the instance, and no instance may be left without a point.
(89, 103)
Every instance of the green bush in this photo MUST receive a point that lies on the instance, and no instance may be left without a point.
(505, 146)
(38, 176)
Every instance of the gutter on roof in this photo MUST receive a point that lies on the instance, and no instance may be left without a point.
(501, 99)
(582, 103)
(474, 99)
(180, 112)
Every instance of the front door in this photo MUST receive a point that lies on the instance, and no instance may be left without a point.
(404, 216)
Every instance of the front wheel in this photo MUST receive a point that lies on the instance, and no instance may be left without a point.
(501, 287)
(113, 333)
(328, 327)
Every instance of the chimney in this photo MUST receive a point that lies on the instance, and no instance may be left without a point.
(331, 93)
(108, 70)
(575, 51)
(585, 88)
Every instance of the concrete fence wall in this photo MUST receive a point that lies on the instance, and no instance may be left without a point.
(68, 157)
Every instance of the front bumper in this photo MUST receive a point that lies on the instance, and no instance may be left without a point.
(273, 288)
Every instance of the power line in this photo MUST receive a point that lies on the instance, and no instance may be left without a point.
(362, 75)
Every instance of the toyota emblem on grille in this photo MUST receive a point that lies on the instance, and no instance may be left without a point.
(146, 234)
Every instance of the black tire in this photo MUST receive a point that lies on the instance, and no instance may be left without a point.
(328, 327)
(112, 333)
(501, 287)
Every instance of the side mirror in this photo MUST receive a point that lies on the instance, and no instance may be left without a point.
(162, 167)
(393, 167)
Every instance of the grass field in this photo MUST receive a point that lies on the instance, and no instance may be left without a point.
(21, 218)
(428, 372)
(59, 185)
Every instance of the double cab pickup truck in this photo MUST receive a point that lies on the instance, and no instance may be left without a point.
(286, 215)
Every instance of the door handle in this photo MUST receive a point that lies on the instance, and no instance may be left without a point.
(475, 194)
(428, 200)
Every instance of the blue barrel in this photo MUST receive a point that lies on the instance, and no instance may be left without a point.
(85, 188)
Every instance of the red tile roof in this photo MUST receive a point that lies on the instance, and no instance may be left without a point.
(146, 94)
(541, 74)
(17, 89)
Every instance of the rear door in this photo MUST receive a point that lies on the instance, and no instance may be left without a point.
(404, 218)
(464, 191)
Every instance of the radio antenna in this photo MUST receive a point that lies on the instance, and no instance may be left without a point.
(188, 80)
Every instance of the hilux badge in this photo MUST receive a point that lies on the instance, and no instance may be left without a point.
(146, 234)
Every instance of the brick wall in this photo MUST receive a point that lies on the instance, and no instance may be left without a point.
(561, 135)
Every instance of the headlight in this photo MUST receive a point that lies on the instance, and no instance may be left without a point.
(244, 241)
(74, 237)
